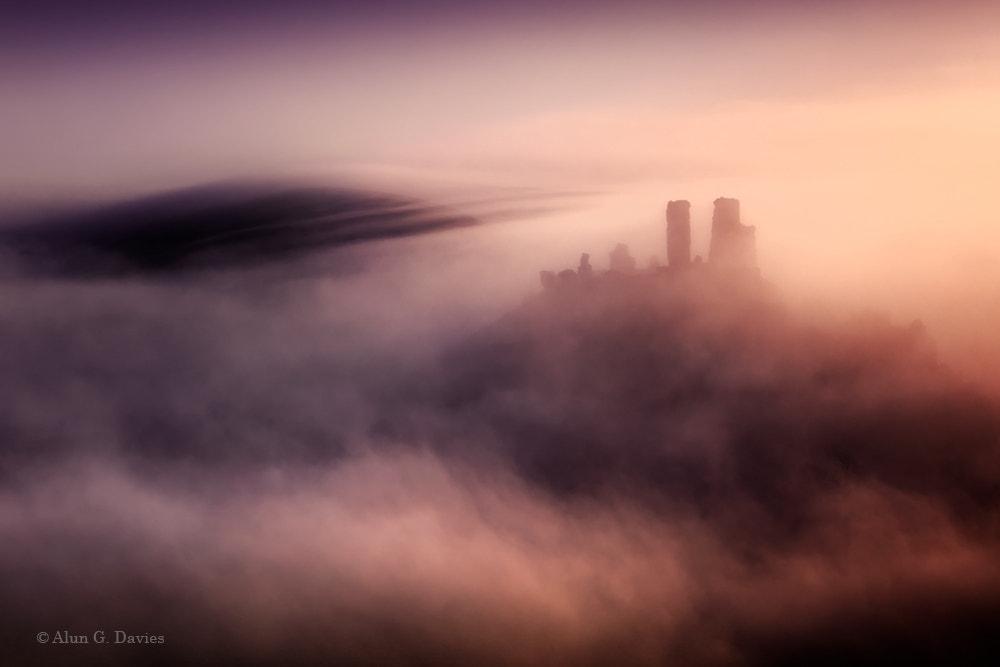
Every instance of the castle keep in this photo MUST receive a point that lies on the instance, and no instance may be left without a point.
(733, 244)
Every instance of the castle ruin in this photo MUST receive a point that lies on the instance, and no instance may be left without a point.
(732, 249)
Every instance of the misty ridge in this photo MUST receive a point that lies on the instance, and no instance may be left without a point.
(266, 463)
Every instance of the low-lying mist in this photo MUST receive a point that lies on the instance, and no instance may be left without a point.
(388, 448)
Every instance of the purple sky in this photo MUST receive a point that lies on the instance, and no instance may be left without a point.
(122, 95)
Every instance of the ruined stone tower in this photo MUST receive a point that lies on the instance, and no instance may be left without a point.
(679, 234)
(621, 260)
(733, 244)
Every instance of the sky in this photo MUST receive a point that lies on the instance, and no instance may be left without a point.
(117, 97)
(860, 137)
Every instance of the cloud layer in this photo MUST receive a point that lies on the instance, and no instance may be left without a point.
(267, 465)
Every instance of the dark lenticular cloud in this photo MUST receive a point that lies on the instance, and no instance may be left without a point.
(662, 469)
(216, 226)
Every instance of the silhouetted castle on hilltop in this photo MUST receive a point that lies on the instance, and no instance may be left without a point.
(733, 247)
